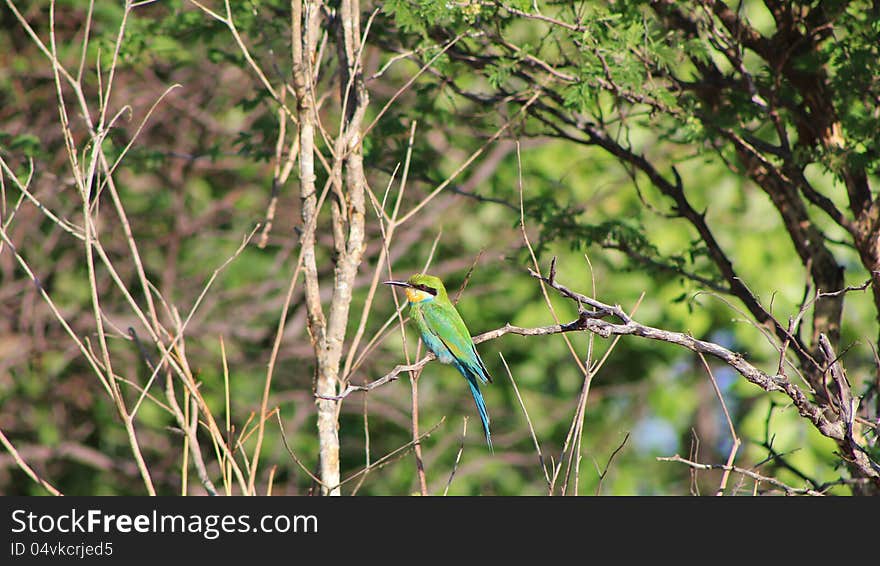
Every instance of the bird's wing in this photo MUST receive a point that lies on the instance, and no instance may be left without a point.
(447, 325)
(486, 376)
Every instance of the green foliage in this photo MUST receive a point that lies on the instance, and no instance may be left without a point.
(416, 16)
(27, 145)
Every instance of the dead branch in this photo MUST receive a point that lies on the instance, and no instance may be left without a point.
(593, 321)
(789, 490)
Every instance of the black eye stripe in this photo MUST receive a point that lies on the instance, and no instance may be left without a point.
(426, 289)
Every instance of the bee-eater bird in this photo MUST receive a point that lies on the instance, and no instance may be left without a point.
(445, 334)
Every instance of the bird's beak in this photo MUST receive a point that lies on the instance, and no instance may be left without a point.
(397, 283)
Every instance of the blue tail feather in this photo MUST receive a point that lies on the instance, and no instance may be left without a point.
(481, 405)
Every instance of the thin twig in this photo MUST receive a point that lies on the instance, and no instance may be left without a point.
(388, 457)
(755, 476)
(457, 457)
(24, 466)
(604, 472)
(734, 436)
(528, 420)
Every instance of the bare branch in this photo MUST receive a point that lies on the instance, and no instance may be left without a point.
(25, 467)
(749, 473)
(608, 464)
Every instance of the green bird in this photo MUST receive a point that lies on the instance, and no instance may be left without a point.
(445, 334)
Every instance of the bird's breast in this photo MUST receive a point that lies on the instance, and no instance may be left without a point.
(436, 346)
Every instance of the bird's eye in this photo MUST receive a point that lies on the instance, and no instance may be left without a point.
(426, 289)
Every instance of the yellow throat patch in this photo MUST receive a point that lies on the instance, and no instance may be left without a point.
(416, 295)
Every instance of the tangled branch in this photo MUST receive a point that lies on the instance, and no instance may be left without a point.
(599, 319)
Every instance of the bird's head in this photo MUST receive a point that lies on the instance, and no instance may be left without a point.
(421, 287)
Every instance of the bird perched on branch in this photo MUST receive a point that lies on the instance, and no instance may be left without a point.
(445, 334)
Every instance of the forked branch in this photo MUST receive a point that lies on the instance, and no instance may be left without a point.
(595, 321)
